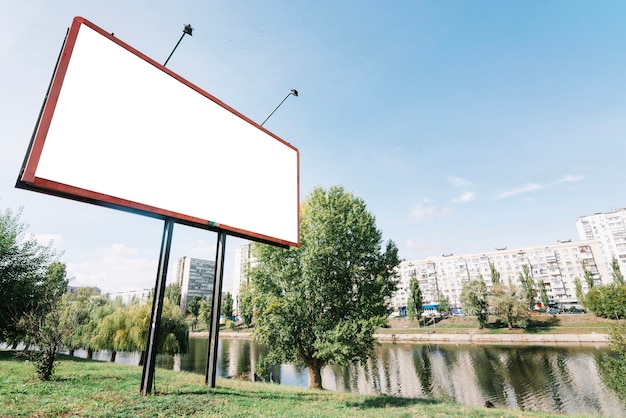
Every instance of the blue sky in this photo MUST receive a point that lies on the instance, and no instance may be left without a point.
(464, 125)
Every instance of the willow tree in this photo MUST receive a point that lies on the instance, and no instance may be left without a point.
(321, 303)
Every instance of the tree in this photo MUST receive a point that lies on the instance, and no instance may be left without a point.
(527, 283)
(616, 272)
(23, 266)
(508, 303)
(580, 295)
(474, 300)
(76, 309)
(172, 292)
(204, 313)
(194, 310)
(495, 274)
(608, 301)
(42, 325)
(415, 302)
(588, 277)
(443, 304)
(246, 304)
(321, 303)
(613, 366)
(543, 294)
(227, 306)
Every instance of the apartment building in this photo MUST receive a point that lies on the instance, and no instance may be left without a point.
(557, 265)
(195, 277)
(243, 260)
(609, 229)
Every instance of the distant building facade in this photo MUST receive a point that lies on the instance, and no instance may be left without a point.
(609, 229)
(139, 296)
(557, 265)
(195, 277)
(243, 261)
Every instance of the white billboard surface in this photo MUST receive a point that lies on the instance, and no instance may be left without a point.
(119, 129)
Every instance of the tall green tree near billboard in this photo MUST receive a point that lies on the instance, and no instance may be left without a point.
(321, 303)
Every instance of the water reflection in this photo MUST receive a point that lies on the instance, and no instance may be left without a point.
(563, 378)
(560, 379)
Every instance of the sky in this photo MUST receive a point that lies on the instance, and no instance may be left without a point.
(464, 125)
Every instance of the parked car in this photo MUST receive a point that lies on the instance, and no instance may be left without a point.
(553, 311)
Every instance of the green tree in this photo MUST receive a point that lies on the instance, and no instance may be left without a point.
(42, 325)
(113, 333)
(75, 313)
(543, 294)
(474, 300)
(613, 366)
(227, 306)
(495, 274)
(23, 266)
(608, 301)
(588, 277)
(172, 292)
(508, 303)
(246, 304)
(443, 304)
(204, 313)
(616, 272)
(321, 303)
(194, 310)
(527, 282)
(580, 294)
(415, 302)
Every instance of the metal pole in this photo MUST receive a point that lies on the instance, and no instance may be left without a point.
(147, 376)
(211, 363)
(187, 30)
(293, 91)
(149, 364)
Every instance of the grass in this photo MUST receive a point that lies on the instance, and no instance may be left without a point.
(539, 324)
(85, 388)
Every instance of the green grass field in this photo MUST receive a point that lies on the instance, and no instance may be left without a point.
(83, 388)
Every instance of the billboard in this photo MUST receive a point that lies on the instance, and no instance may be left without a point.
(119, 130)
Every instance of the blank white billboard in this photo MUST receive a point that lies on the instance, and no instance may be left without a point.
(120, 130)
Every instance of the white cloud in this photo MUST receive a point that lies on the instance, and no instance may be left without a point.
(429, 213)
(45, 239)
(528, 187)
(459, 181)
(570, 179)
(116, 268)
(465, 197)
(533, 187)
(203, 249)
(419, 249)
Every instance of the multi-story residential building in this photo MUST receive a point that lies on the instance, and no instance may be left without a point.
(139, 296)
(557, 265)
(195, 277)
(609, 229)
(243, 261)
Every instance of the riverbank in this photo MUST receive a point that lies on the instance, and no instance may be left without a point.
(544, 329)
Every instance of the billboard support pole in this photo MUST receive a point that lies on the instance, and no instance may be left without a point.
(211, 363)
(147, 376)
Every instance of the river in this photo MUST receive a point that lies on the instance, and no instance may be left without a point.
(561, 378)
